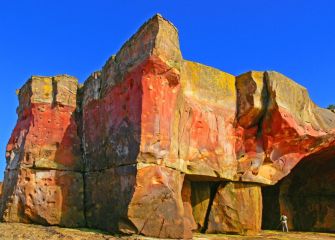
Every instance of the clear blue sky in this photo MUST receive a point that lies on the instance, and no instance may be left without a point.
(39, 37)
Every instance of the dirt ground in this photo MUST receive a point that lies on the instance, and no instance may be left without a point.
(273, 235)
(18, 231)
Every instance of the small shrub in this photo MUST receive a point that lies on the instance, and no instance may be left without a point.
(331, 107)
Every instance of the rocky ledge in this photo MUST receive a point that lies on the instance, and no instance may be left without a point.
(160, 146)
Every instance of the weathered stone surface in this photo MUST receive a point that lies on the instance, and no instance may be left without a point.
(108, 194)
(203, 135)
(307, 195)
(128, 121)
(138, 89)
(42, 183)
(293, 127)
(138, 208)
(186, 195)
(157, 208)
(43, 196)
(157, 37)
(45, 135)
(153, 136)
(61, 89)
(237, 208)
(251, 98)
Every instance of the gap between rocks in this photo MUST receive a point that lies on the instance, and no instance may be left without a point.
(213, 190)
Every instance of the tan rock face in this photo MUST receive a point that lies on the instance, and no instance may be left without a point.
(251, 99)
(237, 208)
(49, 197)
(157, 145)
(157, 208)
(186, 194)
(203, 137)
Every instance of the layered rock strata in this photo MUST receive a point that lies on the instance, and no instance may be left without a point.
(157, 145)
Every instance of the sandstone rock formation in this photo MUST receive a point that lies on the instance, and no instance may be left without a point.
(237, 207)
(157, 145)
(43, 178)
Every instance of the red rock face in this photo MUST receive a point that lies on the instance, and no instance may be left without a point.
(49, 137)
(45, 135)
(158, 145)
(133, 116)
(291, 128)
(42, 179)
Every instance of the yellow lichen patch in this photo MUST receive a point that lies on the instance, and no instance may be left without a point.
(41, 88)
(47, 89)
(210, 84)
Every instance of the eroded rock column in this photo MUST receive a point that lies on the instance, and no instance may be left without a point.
(43, 181)
(127, 116)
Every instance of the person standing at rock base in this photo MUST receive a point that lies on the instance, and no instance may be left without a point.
(283, 221)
